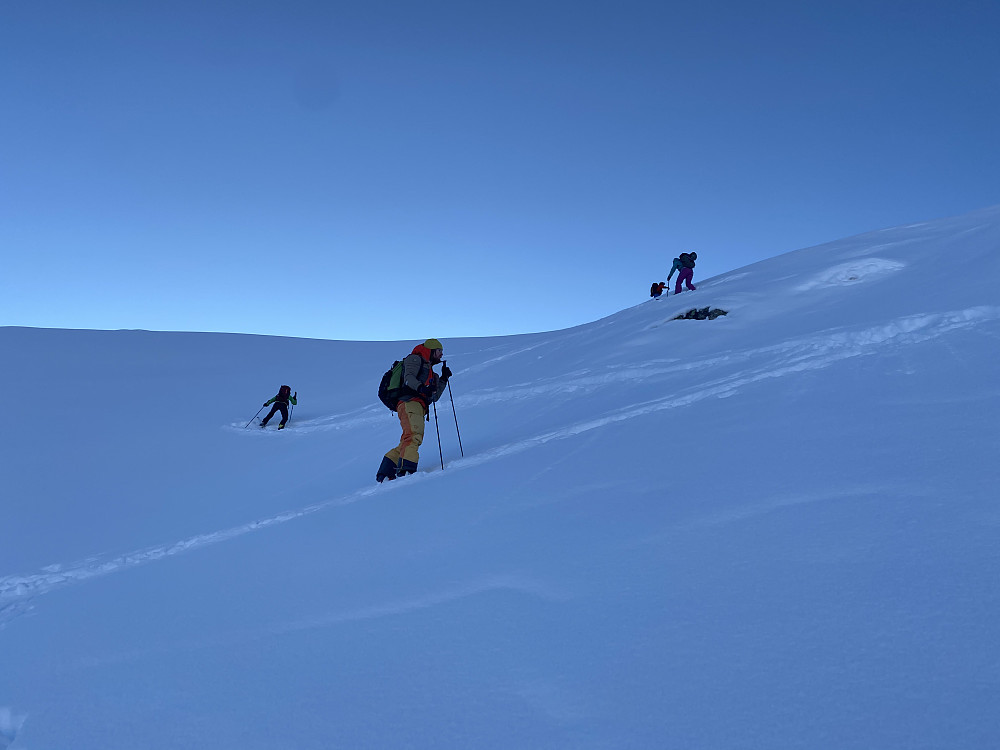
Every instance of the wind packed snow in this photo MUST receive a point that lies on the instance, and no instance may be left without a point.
(776, 529)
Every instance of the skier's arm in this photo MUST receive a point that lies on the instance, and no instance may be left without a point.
(411, 369)
(294, 401)
(270, 401)
(442, 382)
(433, 394)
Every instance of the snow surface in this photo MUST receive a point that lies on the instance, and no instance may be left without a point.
(777, 529)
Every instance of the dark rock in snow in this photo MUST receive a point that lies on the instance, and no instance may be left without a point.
(703, 313)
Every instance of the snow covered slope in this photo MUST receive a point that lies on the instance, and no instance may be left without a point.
(777, 529)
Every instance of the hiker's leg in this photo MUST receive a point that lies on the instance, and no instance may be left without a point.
(270, 414)
(415, 414)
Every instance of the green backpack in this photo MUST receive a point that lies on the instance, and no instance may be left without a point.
(391, 385)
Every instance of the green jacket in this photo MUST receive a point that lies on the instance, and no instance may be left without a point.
(291, 399)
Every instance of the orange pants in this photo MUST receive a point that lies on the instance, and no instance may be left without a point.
(411, 419)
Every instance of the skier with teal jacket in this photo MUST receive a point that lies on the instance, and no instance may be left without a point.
(280, 401)
(684, 265)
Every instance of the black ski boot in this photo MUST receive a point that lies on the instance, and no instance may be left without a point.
(406, 467)
(386, 470)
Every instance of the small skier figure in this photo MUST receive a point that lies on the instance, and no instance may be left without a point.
(657, 289)
(280, 402)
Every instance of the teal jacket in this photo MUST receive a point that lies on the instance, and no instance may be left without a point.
(678, 265)
(291, 399)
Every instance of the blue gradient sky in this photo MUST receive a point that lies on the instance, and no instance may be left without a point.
(386, 170)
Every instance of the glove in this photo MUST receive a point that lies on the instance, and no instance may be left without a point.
(445, 372)
(263, 406)
(296, 396)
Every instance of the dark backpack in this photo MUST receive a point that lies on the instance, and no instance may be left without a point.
(391, 385)
(283, 393)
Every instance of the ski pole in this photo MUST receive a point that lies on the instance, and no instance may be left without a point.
(456, 419)
(254, 417)
(440, 452)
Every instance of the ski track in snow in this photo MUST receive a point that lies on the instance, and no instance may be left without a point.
(503, 583)
(788, 358)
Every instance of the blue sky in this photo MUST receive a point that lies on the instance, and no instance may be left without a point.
(387, 170)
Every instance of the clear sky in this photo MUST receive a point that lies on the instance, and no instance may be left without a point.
(386, 170)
